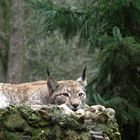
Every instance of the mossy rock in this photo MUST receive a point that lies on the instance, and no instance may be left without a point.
(22, 123)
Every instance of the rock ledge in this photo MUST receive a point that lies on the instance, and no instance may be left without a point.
(51, 122)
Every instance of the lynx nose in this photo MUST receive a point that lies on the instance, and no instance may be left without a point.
(75, 105)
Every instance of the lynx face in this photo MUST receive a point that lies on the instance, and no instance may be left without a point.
(68, 92)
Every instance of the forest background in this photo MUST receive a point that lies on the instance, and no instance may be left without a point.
(64, 36)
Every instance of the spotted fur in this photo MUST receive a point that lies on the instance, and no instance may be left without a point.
(67, 92)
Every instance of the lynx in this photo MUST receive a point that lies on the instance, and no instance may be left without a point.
(67, 92)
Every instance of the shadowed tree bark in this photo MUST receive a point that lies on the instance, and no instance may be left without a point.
(16, 51)
(5, 6)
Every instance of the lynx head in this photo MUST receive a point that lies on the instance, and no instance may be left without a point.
(68, 92)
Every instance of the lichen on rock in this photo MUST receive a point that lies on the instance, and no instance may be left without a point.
(51, 123)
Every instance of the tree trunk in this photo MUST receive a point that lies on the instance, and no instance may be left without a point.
(16, 51)
(4, 37)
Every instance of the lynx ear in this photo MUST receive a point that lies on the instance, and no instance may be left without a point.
(52, 85)
(83, 80)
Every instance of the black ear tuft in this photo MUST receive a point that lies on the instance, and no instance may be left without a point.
(48, 72)
(84, 73)
(52, 85)
(83, 80)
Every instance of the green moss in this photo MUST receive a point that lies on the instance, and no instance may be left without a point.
(75, 135)
(14, 122)
(17, 136)
(2, 135)
(111, 129)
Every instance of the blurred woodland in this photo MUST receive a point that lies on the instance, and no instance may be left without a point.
(64, 36)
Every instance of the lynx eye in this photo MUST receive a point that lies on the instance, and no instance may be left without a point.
(81, 94)
(66, 94)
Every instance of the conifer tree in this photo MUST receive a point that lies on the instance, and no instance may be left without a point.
(114, 28)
